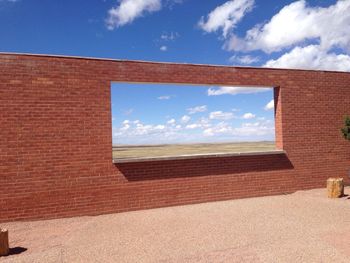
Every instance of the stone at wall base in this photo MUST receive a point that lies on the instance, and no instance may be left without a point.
(335, 187)
(4, 242)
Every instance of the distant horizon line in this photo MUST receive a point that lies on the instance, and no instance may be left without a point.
(191, 143)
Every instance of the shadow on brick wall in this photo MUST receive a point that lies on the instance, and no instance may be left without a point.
(167, 169)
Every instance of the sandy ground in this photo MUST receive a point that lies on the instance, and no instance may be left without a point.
(302, 227)
(140, 151)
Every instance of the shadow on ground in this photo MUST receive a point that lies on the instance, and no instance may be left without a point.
(16, 251)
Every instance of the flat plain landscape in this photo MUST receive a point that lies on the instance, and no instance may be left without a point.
(142, 151)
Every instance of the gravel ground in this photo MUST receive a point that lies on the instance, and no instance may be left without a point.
(302, 227)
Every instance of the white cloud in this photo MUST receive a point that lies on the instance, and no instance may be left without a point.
(220, 115)
(256, 129)
(185, 119)
(248, 116)
(270, 105)
(311, 57)
(235, 90)
(169, 36)
(128, 111)
(311, 37)
(163, 48)
(132, 132)
(159, 127)
(193, 126)
(226, 16)
(220, 128)
(247, 131)
(296, 23)
(142, 129)
(172, 121)
(125, 125)
(202, 123)
(128, 10)
(246, 59)
(197, 109)
(136, 132)
(164, 97)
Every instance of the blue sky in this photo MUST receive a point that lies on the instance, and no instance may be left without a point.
(300, 34)
(309, 34)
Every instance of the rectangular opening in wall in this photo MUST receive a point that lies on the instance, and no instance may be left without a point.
(170, 120)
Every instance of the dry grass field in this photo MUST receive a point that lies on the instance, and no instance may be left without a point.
(140, 151)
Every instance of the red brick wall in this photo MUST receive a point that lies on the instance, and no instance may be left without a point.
(55, 138)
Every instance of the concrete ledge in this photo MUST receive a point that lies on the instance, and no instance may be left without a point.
(195, 156)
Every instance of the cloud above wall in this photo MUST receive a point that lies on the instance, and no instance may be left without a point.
(244, 59)
(126, 11)
(171, 36)
(164, 97)
(311, 57)
(302, 36)
(296, 23)
(226, 16)
(163, 48)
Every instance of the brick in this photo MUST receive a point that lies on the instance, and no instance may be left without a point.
(55, 138)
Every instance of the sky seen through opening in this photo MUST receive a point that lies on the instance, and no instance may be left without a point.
(168, 114)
